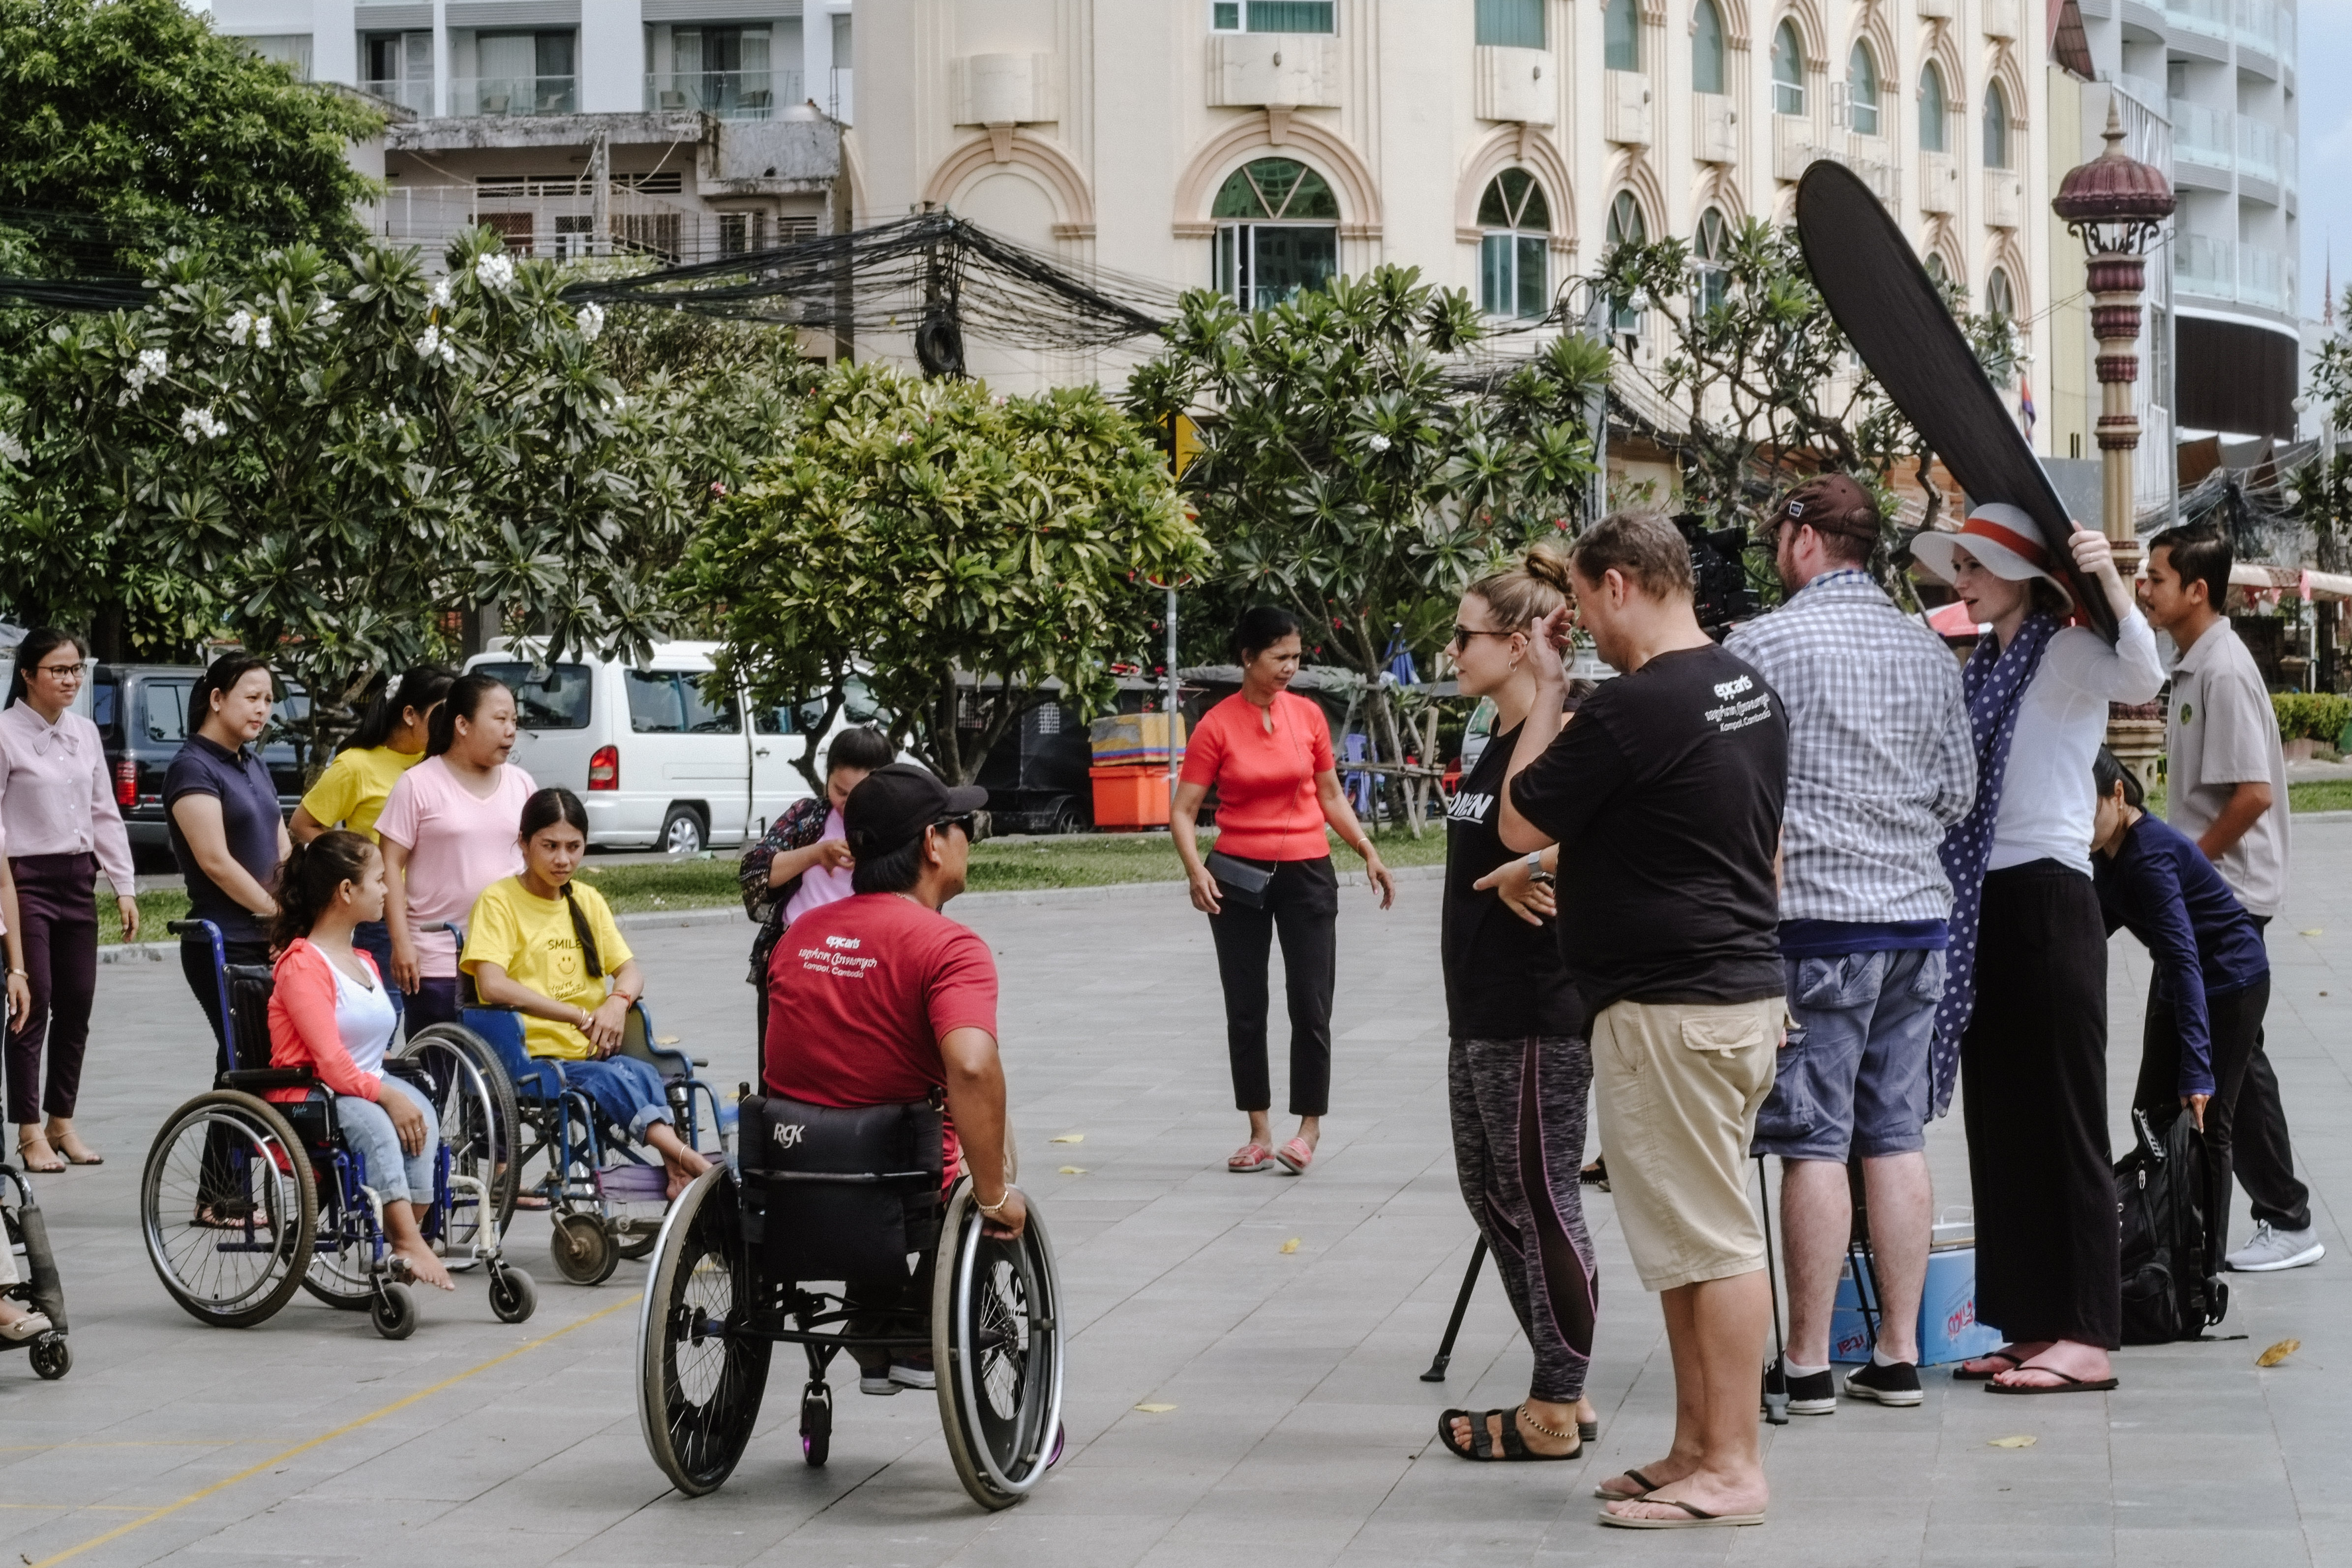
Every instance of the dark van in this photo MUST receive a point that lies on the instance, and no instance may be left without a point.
(141, 711)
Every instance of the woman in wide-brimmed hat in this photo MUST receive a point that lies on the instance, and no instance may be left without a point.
(2025, 997)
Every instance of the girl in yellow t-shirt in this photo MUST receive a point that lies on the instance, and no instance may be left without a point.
(552, 951)
(350, 792)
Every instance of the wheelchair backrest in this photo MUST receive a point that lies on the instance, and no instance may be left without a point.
(250, 987)
(835, 1192)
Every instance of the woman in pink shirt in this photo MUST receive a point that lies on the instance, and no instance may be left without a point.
(60, 824)
(1268, 755)
(449, 832)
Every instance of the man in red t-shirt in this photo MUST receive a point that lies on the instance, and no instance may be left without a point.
(879, 999)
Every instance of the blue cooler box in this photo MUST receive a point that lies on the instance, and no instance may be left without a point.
(1949, 1330)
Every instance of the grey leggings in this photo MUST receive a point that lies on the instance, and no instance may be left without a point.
(1518, 1140)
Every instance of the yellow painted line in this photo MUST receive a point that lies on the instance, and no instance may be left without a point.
(158, 1443)
(78, 1507)
(274, 1460)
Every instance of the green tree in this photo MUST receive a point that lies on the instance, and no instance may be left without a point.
(1358, 467)
(964, 548)
(128, 127)
(323, 458)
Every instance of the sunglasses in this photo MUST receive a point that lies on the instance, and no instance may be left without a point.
(1462, 635)
(973, 823)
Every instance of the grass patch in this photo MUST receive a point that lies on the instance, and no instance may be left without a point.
(2321, 795)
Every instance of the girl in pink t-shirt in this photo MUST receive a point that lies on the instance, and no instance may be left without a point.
(448, 831)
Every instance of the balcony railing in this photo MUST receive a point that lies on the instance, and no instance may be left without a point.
(2150, 94)
(2210, 17)
(2265, 277)
(2203, 135)
(513, 95)
(2259, 24)
(2258, 148)
(728, 95)
(2218, 269)
(417, 97)
(2203, 266)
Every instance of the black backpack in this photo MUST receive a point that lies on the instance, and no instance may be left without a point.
(2160, 1205)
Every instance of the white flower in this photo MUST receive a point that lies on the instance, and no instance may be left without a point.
(151, 367)
(439, 298)
(327, 315)
(240, 326)
(434, 345)
(198, 424)
(261, 330)
(1378, 443)
(591, 321)
(495, 271)
(10, 450)
(620, 403)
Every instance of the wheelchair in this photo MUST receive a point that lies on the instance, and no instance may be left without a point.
(243, 1199)
(767, 1254)
(607, 1197)
(23, 1230)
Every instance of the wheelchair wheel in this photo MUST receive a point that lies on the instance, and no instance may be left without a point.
(584, 1254)
(996, 1347)
(701, 1371)
(50, 1358)
(339, 1275)
(514, 1295)
(395, 1312)
(481, 1122)
(228, 1208)
(816, 1424)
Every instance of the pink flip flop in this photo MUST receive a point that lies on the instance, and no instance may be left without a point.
(1294, 1156)
(1249, 1157)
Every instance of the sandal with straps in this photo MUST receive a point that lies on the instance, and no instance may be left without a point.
(1482, 1436)
(24, 1150)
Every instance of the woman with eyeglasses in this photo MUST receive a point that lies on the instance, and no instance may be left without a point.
(1268, 755)
(1518, 1069)
(61, 827)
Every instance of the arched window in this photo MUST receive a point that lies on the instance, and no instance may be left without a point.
(2001, 300)
(1514, 250)
(1788, 72)
(1511, 23)
(1933, 109)
(1710, 248)
(1277, 232)
(1862, 91)
(1620, 35)
(1706, 48)
(1938, 273)
(1996, 127)
(1626, 228)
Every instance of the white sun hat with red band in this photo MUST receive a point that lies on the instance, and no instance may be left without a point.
(2001, 537)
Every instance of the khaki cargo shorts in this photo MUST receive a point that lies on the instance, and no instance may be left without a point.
(1679, 1083)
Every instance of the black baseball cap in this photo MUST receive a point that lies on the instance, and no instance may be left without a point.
(892, 806)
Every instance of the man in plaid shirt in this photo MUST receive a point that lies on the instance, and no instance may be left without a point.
(1881, 764)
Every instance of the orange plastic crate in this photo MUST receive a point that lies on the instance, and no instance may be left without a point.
(1130, 797)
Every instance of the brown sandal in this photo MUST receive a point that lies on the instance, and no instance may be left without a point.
(85, 1158)
(25, 1149)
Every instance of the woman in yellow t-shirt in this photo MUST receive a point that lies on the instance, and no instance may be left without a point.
(552, 951)
(352, 791)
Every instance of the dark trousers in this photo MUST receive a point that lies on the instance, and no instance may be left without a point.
(59, 920)
(2234, 1021)
(2262, 1150)
(375, 939)
(2033, 1075)
(435, 1001)
(1301, 906)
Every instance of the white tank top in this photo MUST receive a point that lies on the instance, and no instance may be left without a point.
(364, 1018)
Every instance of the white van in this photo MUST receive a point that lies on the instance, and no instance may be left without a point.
(657, 765)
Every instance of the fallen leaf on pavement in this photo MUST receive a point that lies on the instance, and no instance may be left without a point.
(1155, 1410)
(1290, 1245)
(1072, 1171)
(2316, 931)
(1069, 1137)
(666, 1039)
(2017, 1442)
(2278, 1353)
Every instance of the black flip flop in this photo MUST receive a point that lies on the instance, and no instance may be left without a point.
(1638, 1479)
(2064, 1384)
(1482, 1440)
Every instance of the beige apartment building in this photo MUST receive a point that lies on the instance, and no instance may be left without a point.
(1499, 145)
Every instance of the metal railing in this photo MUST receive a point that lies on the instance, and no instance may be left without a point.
(839, 100)
(2203, 135)
(471, 95)
(728, 95)
(417, 97)
(2210, 17)
(2150, 94)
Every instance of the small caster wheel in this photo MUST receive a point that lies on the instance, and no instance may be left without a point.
(584, 1254)
(816, 1424)
(50, 1357)
(393, 1312)
(640, 1247)
(514, 1295)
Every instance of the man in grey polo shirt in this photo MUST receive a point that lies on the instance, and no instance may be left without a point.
(1881, 764)
(2225, 786)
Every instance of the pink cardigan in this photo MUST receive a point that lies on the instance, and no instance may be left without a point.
(55, 796)
(303, 1029)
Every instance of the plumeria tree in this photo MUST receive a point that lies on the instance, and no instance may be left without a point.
(958, 548)
(323, 457)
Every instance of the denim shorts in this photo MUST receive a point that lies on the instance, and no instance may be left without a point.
(1853, 1078)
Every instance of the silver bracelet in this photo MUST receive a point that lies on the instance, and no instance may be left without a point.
(997, 1206)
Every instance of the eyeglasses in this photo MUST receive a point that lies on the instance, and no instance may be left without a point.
(1462, 635)
(60, 671)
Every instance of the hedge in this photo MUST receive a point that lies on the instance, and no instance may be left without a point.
(2312, 715)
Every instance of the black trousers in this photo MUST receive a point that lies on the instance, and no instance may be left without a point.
(2033, 1075)
(2264, 1152)
(2234, 1020)
(1302, 907)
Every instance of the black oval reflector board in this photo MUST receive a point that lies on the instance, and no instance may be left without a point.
(1887, 306)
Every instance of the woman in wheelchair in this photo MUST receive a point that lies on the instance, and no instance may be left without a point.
(330, 1012)
(551, 951)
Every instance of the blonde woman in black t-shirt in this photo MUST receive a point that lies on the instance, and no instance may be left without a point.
(1519, 1058)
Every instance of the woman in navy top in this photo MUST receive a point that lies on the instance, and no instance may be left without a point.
(2213, 975)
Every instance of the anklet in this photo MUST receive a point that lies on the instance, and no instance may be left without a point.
(1529, 1417)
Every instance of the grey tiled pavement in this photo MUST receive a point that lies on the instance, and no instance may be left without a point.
(1300, 1434)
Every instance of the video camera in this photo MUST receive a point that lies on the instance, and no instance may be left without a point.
(1722, 592)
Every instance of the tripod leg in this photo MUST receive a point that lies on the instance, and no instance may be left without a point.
(1776, 1386)
(1436, 1373)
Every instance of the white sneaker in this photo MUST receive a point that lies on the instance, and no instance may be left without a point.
(30, 1326)
(2274, 1249)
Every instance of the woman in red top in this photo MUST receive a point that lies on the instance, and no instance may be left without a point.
(1268, 755)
